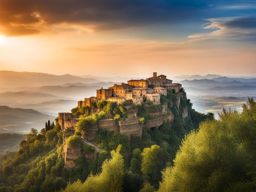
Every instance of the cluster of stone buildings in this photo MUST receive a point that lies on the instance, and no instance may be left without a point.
(137, 91)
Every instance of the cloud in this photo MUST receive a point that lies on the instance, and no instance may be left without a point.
(242, 23)
(239, 6)
(238, 28)
(33, 16)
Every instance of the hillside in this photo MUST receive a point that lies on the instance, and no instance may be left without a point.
(45, 93)
(72, 90)
(9, 142)
(78, 158)
(221, 82)
(23, 98)
(20, 120)
(214, 94)
(11, 79)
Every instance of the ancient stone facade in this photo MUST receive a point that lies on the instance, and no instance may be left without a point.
(154, 98)
(120, 90)
(138, 83)
(71, 154)
(136, 91)
(176, 87)
(66, 120)
(108, 124)
(130, 126)
(104, 94)
(158, 81)
(87, 102)
(160, 90)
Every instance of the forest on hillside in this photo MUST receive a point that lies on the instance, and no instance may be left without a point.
(218, 156)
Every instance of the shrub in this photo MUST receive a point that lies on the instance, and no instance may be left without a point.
(74, 141)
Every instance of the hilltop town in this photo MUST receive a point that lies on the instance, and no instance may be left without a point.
(137, 118)
(124, 109)
(136, 91)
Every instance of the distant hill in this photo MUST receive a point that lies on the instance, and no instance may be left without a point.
(22, 98)
(9, 142)
(224, 82)
(17, 120)
(11, 79)
(212, 95)
(197, 77)
(54, 106)
(50, 99)
(73, 90)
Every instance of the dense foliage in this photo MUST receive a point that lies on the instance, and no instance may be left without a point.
(39, 165)
(109, 180)
(220, 156)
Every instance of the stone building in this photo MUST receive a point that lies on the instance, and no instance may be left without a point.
(117, 100)
(66, 120)
(136, 91)
(87, 102)
(140, 92)
(154, 98)
(161, 90)
(104, 94)
(158, 81)
(138, 83)
(176, 87)
(121, 90)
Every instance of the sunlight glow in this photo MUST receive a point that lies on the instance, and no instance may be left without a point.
(2, 39)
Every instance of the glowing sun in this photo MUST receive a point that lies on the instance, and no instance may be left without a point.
(2, 39)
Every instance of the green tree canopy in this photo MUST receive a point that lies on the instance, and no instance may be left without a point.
(220, 156)
(153, 161)
(109, 180)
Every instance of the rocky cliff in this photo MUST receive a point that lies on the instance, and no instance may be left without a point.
(131, 122)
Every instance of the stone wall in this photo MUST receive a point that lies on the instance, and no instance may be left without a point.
(138, 83)
(71, 154)
(91, 133)
(108, 124)
(158, 116)
(154, 122)
(130, 126)
(103, 94)
(66, 120)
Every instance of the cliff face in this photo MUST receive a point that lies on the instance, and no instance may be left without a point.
(71, 154)
(108, 124)
(157, 116)
(130, 126)
(136, 118)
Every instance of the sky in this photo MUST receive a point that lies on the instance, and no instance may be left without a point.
(128, 37)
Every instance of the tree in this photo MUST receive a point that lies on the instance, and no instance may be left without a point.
(85, 123)
(109, 180)
(220, 156)
(153, 162)
(147, 188)
(135, 160)
(167, 177)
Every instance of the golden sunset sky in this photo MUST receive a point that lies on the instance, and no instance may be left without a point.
(121, 37)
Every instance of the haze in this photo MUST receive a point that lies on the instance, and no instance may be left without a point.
(128, 38)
